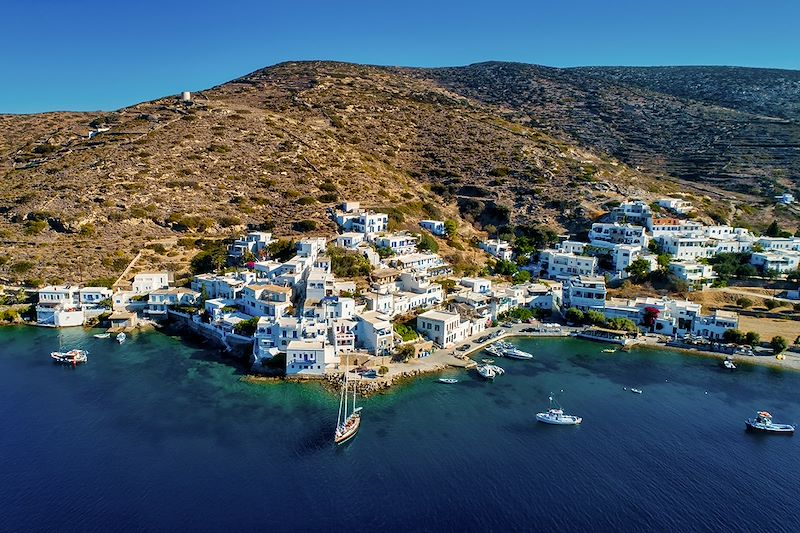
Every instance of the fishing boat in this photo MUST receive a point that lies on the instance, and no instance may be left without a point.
(101, 335)
(347, 422)
(763, 423)
(636, 391)
(728, 363)
(449, 381)
(486, 371)
(72, 357)
(513, 352)
(555, 415)
(121, 337)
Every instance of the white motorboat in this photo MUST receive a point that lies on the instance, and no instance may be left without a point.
(101, 335)
(497, 370)
(449, 381)
(728, 363)
(515, 353)
(121, 337)
(763, 423)
(72, 357)
(636, 391)
(494, 350)
(555, 415)
(486, 371)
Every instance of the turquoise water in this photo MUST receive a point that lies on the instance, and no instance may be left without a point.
(159, 435)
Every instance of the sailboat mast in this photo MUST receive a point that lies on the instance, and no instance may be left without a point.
(345, 388)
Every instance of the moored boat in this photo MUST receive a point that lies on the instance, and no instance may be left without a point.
(728, 363)
(555, 415)
(486, 371)
(72, 357)
(608, 350)
(347, 424)
(513, 352)
(763, 423)
(636, 391)
(448, 380)
(121, 337)
(101, 335)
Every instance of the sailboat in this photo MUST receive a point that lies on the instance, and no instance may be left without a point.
(347, 424)
(70, 357)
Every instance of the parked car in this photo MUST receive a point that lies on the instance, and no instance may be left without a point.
(464, 347)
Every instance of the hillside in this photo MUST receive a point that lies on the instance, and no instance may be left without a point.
(285, 143)
(735, 128)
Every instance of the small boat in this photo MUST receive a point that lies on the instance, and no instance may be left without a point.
(121, 337)
(486, 371)
(636, 391)
(487, 361)
(608, 350)
(763, 423)
(728, 363)
(555, 415)
(347, 424)
(101, 335)
(497, 370)
(493, 350)
(449, 381)
(72, 357)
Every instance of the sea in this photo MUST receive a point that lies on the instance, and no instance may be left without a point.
(161, 434)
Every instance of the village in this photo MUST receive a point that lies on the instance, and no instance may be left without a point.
(282, 303)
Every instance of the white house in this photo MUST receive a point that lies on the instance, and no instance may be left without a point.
(688, 246)
(442, 327)
(416, 261)
(785, 198)
(635, 212)
(349, 239)
(59, 306)
(265, 300)
(669, 226)
(370, 223)
(618, 233)
(94, 295)
(216, 286)
(144, 282)
(159, 300)
(253, 243)
(434, 226)
(498, 248)
(585, 293)
(696, 274)
(309, 358)
(549, 296)
(714, 326)
(787, 261)
(563, 264)
(479, 285)
(373, 332)
(779, 243)
(399, 243)
(678, 205)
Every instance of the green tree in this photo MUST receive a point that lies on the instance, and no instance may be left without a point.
(450, 226)
(752, 338)
(734, 335)
(427, 243)
(623, 324)
(246, 327)
(638, 269)
(574, 315)
(523, 276)
(596, 318)
(773, 230)
(505, 268)
(348, 263)
(778, 344)
(663, 262)
(281, 250)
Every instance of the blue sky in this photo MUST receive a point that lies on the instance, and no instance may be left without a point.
(91, 55)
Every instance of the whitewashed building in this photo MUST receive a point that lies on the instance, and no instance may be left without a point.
(145, 282)
(560, 265)
(787, 261)
(309, 358)
(434, 226)
(59, 306)
(254, 242)
(498, 248)
(585, 293)
(617, 233)
(442, 327)
(677, 205)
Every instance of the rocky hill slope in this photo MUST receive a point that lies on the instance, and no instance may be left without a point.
(736, 128)
(283, 144)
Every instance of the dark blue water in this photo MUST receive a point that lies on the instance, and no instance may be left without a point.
(155, 435)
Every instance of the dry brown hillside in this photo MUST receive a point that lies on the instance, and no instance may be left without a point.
(275, 147)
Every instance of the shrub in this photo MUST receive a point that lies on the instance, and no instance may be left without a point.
(328, 198)
(327, 186)
(305, 225)
(229, 221)
(735, 336)
(35, 227)
(246, 327)
(574, 315)
(21, 267)
(305, 200)
(744, 303)
(383, 370)
(347, 263)
(406, 332)
(281, 250)
(752, 338)
(427, 243)
(778, 344)
(87, 230)
(772, 304)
